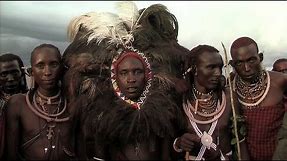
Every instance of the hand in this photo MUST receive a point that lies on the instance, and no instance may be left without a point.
(187, 141)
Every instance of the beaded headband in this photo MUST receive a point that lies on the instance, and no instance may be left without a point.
(148, 75)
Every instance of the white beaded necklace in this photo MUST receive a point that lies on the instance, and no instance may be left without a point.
(255, 104)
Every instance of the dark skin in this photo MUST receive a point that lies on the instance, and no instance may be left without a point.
(131, 81)
(10, 81)
(131, 77)
(10, 77)
(23, 124)
(247, 63)
(207, 77)
(280, 67)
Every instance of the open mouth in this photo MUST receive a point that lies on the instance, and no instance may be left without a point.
(132, 89)
(214, 81)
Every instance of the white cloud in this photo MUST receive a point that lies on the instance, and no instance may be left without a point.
(203, 22)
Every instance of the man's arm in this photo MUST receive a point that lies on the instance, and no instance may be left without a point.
(280, 152)
(12, 127)
(242, 140)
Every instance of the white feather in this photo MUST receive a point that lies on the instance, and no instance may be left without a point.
(128, 12)
(100, 26)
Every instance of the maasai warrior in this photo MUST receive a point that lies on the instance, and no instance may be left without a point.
(280, 65)
(207, 108)
(122, 123)
(38, 124)
(12, 81)
(260, 93)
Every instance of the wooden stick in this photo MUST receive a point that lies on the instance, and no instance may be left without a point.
(227, 73)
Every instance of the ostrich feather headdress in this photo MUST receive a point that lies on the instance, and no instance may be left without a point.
(105, 25)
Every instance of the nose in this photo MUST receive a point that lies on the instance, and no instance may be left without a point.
(246, 67)
(131, 78)
(10, 78)
(47, 71)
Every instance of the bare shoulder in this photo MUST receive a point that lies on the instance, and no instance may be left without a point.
(278, 78)
(17, 98)
(15, 102)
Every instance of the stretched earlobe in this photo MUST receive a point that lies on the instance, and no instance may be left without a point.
(32, 82)
(260, 56)
(195, 71)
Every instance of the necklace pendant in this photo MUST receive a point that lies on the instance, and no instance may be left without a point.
(50, 131)
(206, 140)
(49, 101)
(137, 148)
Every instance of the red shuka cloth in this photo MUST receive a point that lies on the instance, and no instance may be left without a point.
(263, 124)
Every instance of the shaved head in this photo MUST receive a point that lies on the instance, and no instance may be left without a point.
(242, 42)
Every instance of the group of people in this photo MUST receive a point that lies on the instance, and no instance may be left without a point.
(124, 89)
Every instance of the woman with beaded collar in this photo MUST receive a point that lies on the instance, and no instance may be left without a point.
(38, 123)
(260, 93)
(207, 108)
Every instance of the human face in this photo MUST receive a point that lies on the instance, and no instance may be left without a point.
(131, 77)
(46, 69)
(10, 76)
(281, 67)
(208, 71)
(246, 62)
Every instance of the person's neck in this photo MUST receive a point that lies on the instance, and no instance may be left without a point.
(50, 92)
(200, 89)
(254, 80)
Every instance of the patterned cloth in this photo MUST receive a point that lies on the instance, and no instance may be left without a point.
(280, 152)
(263, 124)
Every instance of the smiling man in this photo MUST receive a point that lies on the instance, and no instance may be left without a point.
(260, 93)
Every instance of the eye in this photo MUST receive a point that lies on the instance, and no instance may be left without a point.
(139, 71)
(15, 72)
(3, 74)
(123, 73)
(238, 63)
(55, 64)
(252, 60)
(40, 66)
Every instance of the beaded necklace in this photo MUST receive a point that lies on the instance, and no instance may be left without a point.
(207, 104)
(43, 114)
(218, 112)
(205, 137)
(251, 95)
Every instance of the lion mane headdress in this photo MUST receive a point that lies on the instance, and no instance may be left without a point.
(151, 34)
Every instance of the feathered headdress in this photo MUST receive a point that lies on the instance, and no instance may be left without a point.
(130, 28)
(116, 28)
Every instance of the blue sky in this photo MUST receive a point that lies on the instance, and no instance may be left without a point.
(26, 24)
